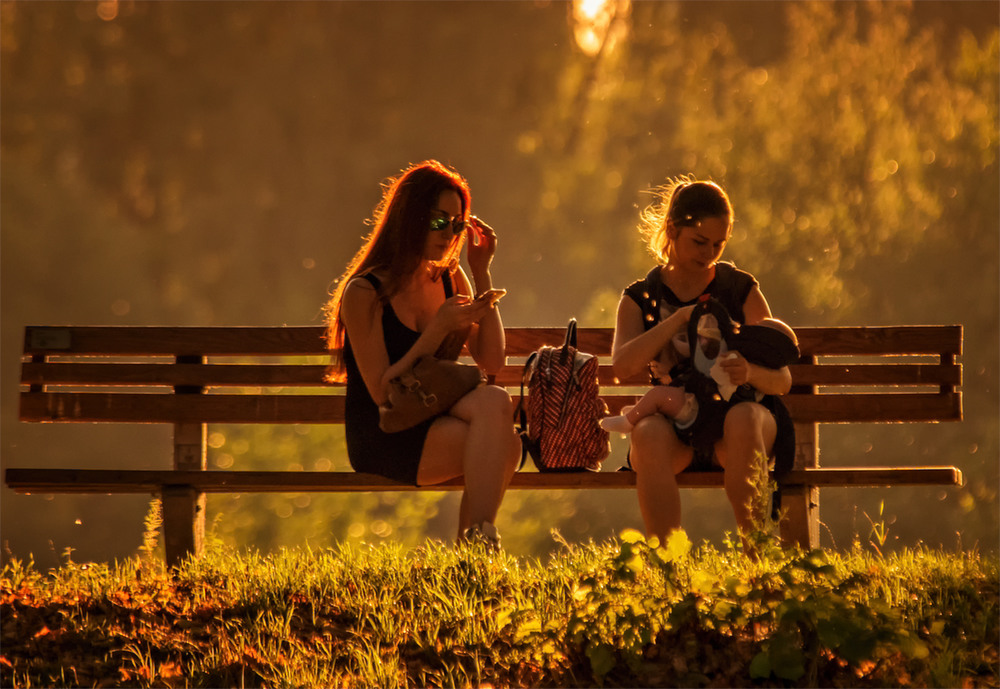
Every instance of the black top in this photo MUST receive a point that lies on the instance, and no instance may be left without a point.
(369, 449)
(730, 286)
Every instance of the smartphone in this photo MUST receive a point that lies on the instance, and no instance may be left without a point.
(491, 295)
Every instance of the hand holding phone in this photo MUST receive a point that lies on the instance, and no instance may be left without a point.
(491, 295)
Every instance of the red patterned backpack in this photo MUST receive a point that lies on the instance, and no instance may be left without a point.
(559, 416)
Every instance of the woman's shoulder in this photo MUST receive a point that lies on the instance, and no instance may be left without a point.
(641, 287)
(364, 286)
(729, 275)
(732, 286)
(730, 267)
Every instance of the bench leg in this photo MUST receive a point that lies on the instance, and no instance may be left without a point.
(801, 524)
(801, 503)
(183, 523)
(184, 507)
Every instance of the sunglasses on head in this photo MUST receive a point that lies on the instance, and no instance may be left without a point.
(440, 224)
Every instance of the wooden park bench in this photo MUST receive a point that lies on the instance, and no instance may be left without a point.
(194, 376)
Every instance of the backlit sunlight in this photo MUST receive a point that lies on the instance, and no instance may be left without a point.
(598, 23)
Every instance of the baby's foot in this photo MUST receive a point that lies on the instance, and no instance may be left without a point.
(616, 424)
(688, 413)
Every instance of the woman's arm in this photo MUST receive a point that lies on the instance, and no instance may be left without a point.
(767, 380)
(361, 312)
(487, 342)
(755, 308)
(634, 347)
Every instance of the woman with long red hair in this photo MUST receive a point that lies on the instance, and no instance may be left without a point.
(404, 296)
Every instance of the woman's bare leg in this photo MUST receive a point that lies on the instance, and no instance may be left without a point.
(476, 440)
(748, 437)
(657, 456)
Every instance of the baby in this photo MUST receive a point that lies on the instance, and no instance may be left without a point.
(681, 406)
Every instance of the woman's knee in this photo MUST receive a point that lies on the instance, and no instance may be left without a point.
(654, 443)
(652, 430)
(492, 399)
(745, 420)
(749, 429)
(486, 401)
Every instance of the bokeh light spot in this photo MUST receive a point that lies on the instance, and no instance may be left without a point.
(107, 10)
(120, 307)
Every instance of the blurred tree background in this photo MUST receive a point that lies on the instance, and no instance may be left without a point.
(214, 163)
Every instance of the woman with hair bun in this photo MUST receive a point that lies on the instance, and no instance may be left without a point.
(687, 229)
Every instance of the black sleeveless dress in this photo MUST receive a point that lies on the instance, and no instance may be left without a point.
(369, 449)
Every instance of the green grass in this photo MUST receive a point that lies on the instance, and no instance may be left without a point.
(622, 613)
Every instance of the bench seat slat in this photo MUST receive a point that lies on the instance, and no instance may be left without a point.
(139, 481)
(329, 408)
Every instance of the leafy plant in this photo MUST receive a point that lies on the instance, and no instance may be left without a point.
(152, 523)
(880, 531)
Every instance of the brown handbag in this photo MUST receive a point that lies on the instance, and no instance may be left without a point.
(428, 389)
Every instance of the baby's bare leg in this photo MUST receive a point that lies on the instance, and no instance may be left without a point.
(669, 401)
(662, 399)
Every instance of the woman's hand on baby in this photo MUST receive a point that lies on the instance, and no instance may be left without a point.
(660, 370)
(684, 314)
(737, 367)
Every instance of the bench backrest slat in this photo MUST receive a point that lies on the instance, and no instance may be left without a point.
(146, 408)
(881, 340)
(877, 374)
(311, 375)
(181, 341)
(326, 408)
(206, 375)
(251, 341)
(248, 341)
(130, 374)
